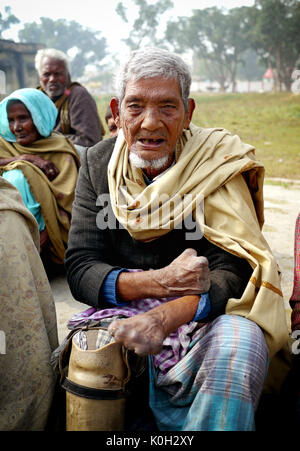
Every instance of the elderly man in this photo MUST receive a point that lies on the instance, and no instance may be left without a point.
(78, 117)
(200, 291)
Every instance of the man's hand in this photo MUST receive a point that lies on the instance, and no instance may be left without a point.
(186, 275)
(144, 333)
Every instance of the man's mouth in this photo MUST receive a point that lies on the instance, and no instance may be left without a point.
(151, 141)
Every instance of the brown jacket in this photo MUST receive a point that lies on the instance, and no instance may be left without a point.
(78, 117)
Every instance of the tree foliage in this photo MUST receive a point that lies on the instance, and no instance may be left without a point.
(217, 37)
(276, 36)
(86, 46)
(220, 38)
(7, 19)
(145, 26)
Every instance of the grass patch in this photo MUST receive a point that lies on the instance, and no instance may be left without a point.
(275, 201)
(268, 121)
(289, 184)
(276, 210)
(268, 229)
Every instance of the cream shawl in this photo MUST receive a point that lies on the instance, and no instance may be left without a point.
(213, 165)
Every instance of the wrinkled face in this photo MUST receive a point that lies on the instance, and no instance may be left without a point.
(54, 78)
(21, 124)
(152, 116)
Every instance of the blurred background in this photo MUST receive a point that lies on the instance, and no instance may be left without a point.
(244, 57)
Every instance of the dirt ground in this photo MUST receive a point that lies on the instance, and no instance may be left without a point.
(282, 205)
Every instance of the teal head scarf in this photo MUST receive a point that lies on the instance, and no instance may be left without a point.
(42, 110)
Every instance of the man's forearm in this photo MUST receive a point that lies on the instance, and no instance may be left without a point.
(188, 274)
(176, 313)
(138, 285)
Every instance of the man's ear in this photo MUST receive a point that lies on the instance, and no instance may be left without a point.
(189, 113)
(114, 106)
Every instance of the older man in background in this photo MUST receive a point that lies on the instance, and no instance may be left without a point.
(78, 118)
(206, 307)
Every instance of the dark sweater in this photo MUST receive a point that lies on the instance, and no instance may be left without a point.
(92, 252)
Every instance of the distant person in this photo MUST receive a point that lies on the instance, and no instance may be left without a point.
(78, 117)
(112, 126)
(27, 321)
(41, 164)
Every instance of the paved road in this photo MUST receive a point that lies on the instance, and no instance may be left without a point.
(282, 204)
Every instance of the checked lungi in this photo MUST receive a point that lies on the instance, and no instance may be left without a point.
(207, 377)
(217, 385)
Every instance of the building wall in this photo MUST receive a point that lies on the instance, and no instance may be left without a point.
(17, 62)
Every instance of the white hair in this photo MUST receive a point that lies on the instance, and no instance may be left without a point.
(154, 62)
(141, 163)
(50, 53)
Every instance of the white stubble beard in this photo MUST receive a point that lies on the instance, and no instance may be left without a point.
(141, 163)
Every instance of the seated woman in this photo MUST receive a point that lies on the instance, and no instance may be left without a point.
(43, 165)
(28, 328)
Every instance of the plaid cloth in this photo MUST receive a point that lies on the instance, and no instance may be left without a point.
(207, 377)
(217, 384)
(175, 345)
(296, 289)
(103, 339)
(295, 298)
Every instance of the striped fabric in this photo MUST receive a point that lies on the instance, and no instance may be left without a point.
(215, 374)
(296, 289)
(175, 345)
(216, 386)
(103, 338)
(295, 298)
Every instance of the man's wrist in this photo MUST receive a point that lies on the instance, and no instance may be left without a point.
(158, 288)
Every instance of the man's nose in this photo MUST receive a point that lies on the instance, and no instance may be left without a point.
(151, 119)
(52, 77)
